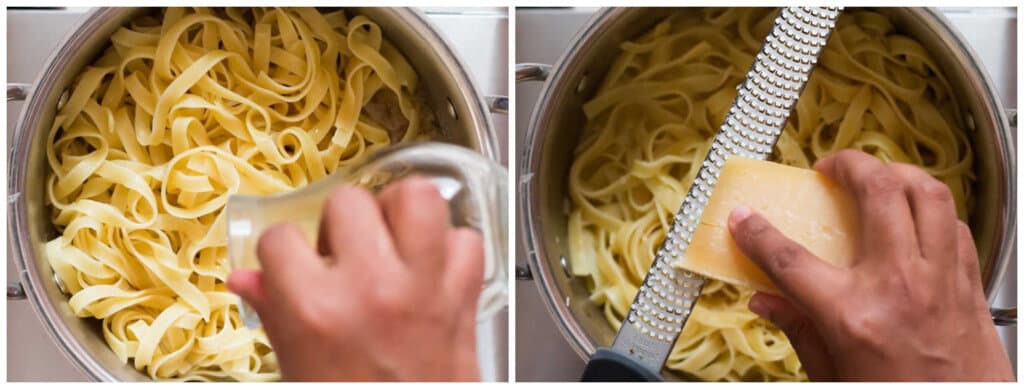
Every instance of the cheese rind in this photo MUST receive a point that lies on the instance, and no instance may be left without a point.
(804, 205)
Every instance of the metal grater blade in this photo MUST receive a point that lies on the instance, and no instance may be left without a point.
(751, 128)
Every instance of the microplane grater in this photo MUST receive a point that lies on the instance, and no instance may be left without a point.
(751, 128)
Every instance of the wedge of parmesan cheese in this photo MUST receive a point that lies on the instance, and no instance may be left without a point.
(804, 205)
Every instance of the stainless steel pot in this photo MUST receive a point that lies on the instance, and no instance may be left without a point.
(557, 119)
(461, 111)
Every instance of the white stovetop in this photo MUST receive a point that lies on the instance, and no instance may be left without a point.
(480, 36)
(542, 354)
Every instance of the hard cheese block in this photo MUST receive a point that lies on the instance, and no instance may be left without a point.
(803, 204)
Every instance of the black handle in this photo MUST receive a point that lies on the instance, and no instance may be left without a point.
(611, 366)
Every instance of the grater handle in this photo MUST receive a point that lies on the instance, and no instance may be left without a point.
(607, 365)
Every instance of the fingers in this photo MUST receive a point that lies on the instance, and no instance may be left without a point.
(353, 229)
(465, 353)
(464, 279)
(323, 243)
(886, 224)
(799, 275)
(248, 285)
(802, 334)
(419, 220)
(967, 258)
(465, 265)
(934, 212)
(285, 255)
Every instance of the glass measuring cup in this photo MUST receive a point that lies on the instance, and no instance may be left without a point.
(475, 188)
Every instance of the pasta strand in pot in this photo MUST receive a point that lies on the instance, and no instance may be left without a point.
(650, 125)
(183, 110)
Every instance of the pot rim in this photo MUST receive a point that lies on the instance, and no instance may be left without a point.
(31, 111)
(529, 207)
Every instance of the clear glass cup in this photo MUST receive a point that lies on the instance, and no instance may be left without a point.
(475, 187)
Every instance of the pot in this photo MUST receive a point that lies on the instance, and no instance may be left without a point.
(460, 110)
(557, 118)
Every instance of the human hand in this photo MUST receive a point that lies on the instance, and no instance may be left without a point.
(911, 305)
(389, 293)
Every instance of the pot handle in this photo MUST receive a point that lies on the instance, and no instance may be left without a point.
(497, 104)
(18, 91)
(532, 72)
(15, 92)
(1004, 317)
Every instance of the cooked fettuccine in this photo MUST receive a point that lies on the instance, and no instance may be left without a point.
(185, 108)
(650, 125)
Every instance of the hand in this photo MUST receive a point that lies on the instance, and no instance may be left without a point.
(389, 294)
(910, 307)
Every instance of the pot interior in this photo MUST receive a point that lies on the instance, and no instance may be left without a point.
(558, 121)
(449, 92)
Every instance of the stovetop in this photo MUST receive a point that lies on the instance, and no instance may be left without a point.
(542, 34)
(479, 36)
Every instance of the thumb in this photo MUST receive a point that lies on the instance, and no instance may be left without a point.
(808, 343)
(801, 276)
(464, 273)
(248, 284)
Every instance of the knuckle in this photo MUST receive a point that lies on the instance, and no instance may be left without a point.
(419, 204)
(755, 229)
(779, 253)
(900, 283)
(783, 257)
(859, 327)
(271, 238)
(313, 318)
(880, 183)
(415, 188)
(846, 154)
(339, 200)
(414, 198)
(904, 169)
(937, 191)
(390, 302)
(846, 158)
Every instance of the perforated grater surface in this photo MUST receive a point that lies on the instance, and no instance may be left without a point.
(751, 128)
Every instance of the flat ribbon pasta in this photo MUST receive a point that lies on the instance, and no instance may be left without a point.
(184, 109)
(650, 125)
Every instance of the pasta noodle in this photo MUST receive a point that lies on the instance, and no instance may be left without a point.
(650, 125)
(182, 110)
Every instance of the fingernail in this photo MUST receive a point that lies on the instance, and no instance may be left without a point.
(738, 215)
(758, 305)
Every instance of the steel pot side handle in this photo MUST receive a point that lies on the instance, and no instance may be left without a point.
(1004, 317)
(532, 72)
(18, 91)
(497, 104)
(15, 92)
